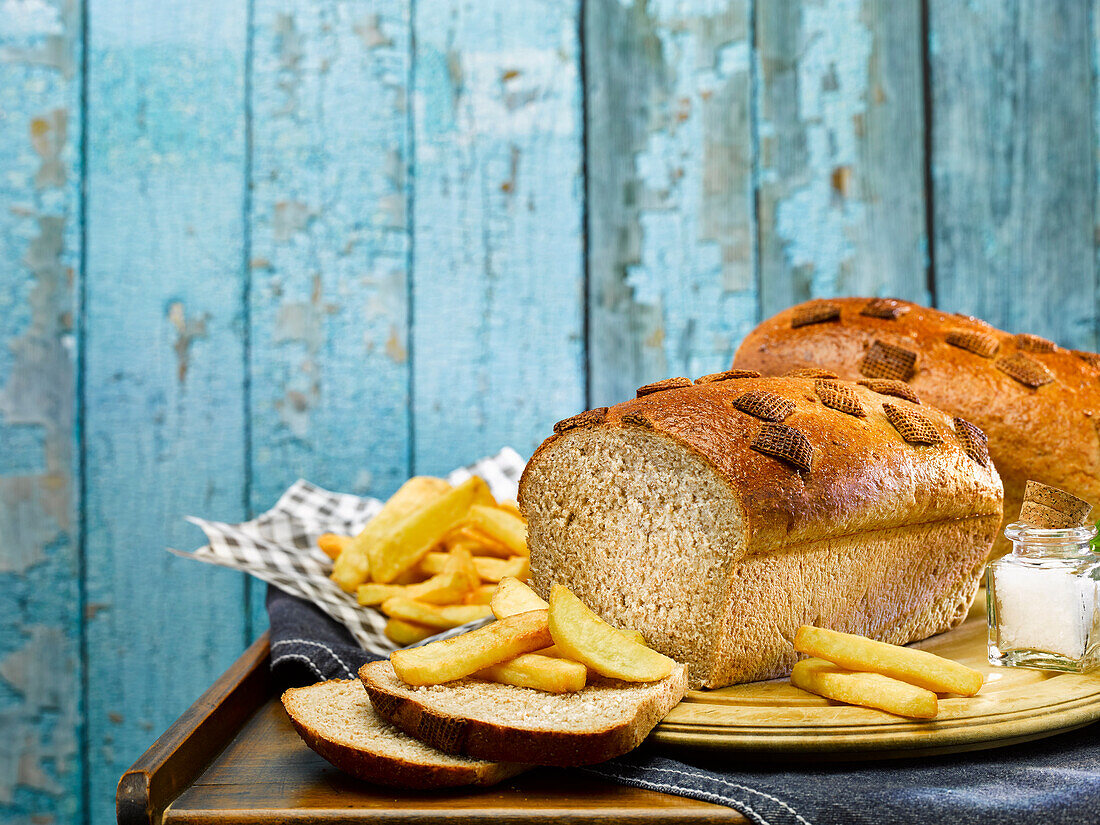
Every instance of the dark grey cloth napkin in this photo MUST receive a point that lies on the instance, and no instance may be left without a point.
(1054, 781)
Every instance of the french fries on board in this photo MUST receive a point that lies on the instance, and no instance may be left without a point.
(917, 667)
(540, 672)
(870, 690)
(449, 659)
(581, 635)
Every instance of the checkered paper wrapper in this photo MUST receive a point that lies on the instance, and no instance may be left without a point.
(280, 546)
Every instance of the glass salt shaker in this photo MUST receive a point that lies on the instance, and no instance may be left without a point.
(1044, 600)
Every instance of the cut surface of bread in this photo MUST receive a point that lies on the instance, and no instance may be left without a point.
(495, 721)
(665, 517)
(336, 720)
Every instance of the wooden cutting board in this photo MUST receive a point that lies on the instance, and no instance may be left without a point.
(777, 720)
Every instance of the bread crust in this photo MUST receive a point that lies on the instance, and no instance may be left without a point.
(488, 737)
(865, 476)
(1049, 432)
(882, 536)
(381, 768)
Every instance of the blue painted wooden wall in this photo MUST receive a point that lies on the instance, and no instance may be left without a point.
(243, 241)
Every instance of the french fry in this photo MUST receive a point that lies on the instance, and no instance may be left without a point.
(332, 545)
(454, 658)
(584, 637)
(513, 596)
(411, 576)
(488, 568)
(509, 506)
(635, 636)
(509, 530)
(373, 594)
(493, 570)
(482, 594)
(409, 540)
(460, 562)
(917, 667)
(540, 672)
(480, 544)
(442, 588)
(352, 567)
(407, 633)
(871, 690)
(432, 615)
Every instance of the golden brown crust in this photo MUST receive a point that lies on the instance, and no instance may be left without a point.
(1036, 402)
(413, 712)
(394, 769)
(864, 475)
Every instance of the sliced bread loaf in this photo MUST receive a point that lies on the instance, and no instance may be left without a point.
(336, 720)
(718, 518)
(495, 721)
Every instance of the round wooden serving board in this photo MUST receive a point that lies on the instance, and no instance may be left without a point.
(776, 720)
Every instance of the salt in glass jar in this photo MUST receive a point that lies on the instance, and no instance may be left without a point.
(1044, 600)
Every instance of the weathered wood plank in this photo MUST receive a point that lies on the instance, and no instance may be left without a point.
(670, 190)
(40, 79)
(497, 284)
(1014, 146)
(164, 362)
(329, 357)
(842, 201)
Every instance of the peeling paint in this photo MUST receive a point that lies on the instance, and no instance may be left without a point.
(188, 330)
(288, 219)
(370, 32)
(817, 227)
(48, 137)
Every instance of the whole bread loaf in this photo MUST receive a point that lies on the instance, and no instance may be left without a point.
(1038, 403)
(718, 517)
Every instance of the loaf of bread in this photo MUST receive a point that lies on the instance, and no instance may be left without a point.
(1039, 404)
(717, 517)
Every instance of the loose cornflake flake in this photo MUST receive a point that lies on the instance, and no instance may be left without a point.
(765, 405)
(888, 361)
(887, 308)
(589, 418)
(912, 425)
(815, 314)
(1027, 371)
(666, 384)
(978, 343)
(974, 442)
(1034, 343)
(785, 443)
(840, 397)
(887, 386)
(811, 372)
(728, 375)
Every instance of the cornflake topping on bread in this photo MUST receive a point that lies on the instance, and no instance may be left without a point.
(764, 405)
(888, 361)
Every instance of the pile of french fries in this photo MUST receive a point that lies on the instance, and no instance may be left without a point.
(549, 646)
(431, 558)
(860, 671)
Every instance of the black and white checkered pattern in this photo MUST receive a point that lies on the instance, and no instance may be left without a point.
(280, 546)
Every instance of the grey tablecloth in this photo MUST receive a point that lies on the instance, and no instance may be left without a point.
(1054, 781)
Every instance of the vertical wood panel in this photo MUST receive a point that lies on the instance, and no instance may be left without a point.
(329, 356)
(40, 81)
(497, 222)
(670, 190)
(1013, 165)
(842, 204)
(164, 380)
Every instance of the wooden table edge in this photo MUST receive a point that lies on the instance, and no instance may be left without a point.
(184, 750)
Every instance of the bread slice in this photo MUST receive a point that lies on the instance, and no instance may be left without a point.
(494, 721)
(336, 720)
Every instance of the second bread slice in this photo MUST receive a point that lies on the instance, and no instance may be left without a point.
(501, 722)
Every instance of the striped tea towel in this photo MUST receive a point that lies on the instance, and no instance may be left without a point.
(280, 546)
